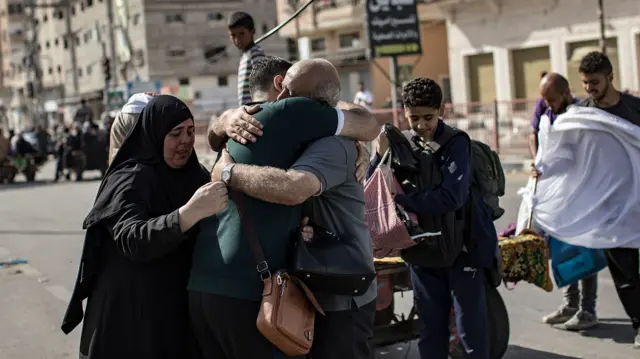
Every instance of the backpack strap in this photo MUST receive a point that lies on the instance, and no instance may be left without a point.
(443, 140)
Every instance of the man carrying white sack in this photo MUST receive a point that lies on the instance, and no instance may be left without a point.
(590, 165)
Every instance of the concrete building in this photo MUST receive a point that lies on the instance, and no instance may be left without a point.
(336, 30)
(181, 45)
(12, 36)
(498, 48)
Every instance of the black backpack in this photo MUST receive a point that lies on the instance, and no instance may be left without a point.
(487, 175)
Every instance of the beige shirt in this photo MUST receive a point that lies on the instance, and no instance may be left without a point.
(122, 125)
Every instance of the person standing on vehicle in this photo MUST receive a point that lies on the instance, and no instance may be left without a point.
(241, 32)
(461, 285)
(596, 72)
(578, 311)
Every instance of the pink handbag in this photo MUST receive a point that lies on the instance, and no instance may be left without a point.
(388, 231)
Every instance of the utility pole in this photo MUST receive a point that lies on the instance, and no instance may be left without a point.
(71, 40)
(34, 86)
(603, 44)
(112, 44)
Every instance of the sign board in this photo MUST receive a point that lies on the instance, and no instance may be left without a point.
(394, 28)
(134, 87)
(115, 99)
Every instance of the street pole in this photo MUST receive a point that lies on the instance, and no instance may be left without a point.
(71, 39)
(603, 45)
(393, 74)
(112, 44)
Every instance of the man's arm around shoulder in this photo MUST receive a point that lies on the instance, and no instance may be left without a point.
(358, 123)
(324, 165)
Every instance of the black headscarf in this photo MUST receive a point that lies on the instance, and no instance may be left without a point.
(144, 146)
(139, 162)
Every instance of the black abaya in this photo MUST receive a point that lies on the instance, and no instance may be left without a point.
(136, 261)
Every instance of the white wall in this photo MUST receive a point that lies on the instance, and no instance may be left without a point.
(476, 28)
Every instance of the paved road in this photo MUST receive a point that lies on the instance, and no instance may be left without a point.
(42, 224)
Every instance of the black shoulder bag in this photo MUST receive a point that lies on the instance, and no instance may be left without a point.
(332, 264)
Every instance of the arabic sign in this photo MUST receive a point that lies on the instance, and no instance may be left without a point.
(394, 28)
(115, 99)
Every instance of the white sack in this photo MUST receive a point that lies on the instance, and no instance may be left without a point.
(589, 191)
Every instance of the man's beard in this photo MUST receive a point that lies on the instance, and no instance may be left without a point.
(563, 108)
(603, 93)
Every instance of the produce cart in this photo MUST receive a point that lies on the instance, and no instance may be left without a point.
(392, 328)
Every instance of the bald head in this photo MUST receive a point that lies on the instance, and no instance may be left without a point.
(554, 89)
(554, 81)
(317, 79)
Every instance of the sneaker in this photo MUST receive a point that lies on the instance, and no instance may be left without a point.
(581, 321)
(636, 343)
(560, 316)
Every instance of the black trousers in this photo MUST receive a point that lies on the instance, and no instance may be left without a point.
(225, 328)
(344, 334)
(623, 264)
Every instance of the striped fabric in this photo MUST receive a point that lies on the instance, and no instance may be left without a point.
(249, 57)
(388, 232)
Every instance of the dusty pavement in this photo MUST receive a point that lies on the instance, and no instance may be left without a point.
(41, 223)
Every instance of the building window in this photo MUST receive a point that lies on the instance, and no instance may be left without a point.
(265, 28)
(445, 83)
(79, 72)
(184, 81)
(88, 35)
(50, 70)
(176, 53)
(350, 39)
(59, 69)
(66, 43)
(89, 70)
(47, 44)
(14, 9)
(56, 42)
(215, 16)
(89, 3)
(173, 18)
(223, 81)
(136, 19)
(45, 18)
(318, 44)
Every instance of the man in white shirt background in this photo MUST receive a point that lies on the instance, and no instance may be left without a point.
(364, 97)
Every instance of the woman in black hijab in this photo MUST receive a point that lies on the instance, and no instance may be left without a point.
(137, 252)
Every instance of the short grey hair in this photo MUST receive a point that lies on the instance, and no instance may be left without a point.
(327, 91)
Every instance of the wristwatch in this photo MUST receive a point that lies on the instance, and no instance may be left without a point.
(226, 173)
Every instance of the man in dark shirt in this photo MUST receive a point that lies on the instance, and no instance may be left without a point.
(578, 311)
(225, 289)
(596, 71)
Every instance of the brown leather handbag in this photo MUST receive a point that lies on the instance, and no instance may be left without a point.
(288, 308)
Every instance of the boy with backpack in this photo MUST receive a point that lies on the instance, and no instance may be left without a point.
(455, 192)
(241, 32)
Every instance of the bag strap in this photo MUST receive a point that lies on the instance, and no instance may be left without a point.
(261, 263)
